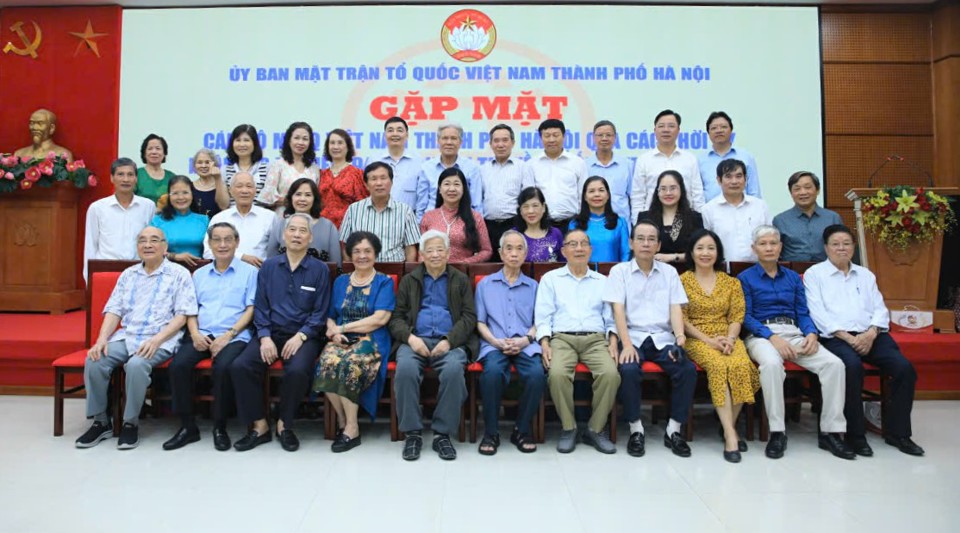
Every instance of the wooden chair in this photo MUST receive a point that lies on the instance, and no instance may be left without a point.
(539, 269)
(102, 278)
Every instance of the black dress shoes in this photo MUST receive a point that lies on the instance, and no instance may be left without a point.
(636, 446)
(344, 443)
(859, 446)
(835, 445)
(288, 440)
(183, 437)
(776, 445)
(905, 445)
(676, 444)
(221, 440)
(251, 440)
(412, 445)
(732, 457)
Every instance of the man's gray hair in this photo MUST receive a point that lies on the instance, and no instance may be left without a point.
(765, 230)
(434, 234)
(304, 216)
(236, 234)
(509, 232)
(447, 125)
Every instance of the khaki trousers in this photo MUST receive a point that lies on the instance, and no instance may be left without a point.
(591, 350)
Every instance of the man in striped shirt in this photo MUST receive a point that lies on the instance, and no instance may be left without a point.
(392, 221)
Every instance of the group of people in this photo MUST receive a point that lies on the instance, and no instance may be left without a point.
(267, 295)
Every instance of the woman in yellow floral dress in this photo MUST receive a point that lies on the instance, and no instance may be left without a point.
(712, 321)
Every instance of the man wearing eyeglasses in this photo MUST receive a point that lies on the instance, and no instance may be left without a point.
(219, 331)
(572, 320)
(150, 303)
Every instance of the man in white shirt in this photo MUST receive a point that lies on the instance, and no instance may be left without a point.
(502, 179)
(848, 309)
(734, 214)
(666, 156)
(646, 296)
(449, 138)
(405, 163)
(252, 221)
(558, 173)
(114, 222)
(571, 321)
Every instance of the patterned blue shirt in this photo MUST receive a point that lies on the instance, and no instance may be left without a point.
(768, 298)
(708, 172)
(224, 296)
(506, 309)
(619, 176)
(146, 303)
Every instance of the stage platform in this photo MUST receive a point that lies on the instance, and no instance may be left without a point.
(29, 342)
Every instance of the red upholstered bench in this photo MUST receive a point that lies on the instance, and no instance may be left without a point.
(103, 276)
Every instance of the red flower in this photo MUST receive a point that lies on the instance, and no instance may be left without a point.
(32, 174)
(46, 167)
(26, 184)
(9, 175)
(79, 163)
(71, 166)
(51, 154)
(92, 181)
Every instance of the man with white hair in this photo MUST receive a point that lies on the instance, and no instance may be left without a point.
(252, 221)
(434, 325)
(449, 139)
(779, 328)
(150, 303)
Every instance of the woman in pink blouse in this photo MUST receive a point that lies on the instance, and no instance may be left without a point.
(297, 160)
(469, 241)
(342, 183)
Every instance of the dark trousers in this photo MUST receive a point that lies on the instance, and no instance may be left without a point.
(494, 379)
(885, 354)
(683, 378)
(181, 379)
(248, 373)
(496, 229)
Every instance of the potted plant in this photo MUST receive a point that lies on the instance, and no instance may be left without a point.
(904, 218)
(23, 173)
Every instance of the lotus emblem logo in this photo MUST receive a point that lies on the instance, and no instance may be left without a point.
(468, 35)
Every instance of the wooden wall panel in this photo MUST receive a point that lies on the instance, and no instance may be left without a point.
(885, 99)
(851, 160)
(876, 37)
(946, 31)
(946, 76)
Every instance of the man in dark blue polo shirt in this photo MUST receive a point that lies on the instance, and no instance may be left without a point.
(289, 314)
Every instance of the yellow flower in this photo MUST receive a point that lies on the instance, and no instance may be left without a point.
(906, 201)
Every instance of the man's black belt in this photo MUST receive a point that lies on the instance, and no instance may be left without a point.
(579, 333)
(782, 320)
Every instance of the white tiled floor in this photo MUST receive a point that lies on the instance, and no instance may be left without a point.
(47, 485)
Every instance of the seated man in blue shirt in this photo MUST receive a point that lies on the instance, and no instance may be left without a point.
(779, 328)
(434, 325)
(505, 302)
(150, 303)
(801, 227)
(289, 317)
(225, 292)
(847, 307)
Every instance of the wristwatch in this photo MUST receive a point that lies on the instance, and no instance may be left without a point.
(232, 332)
(532, 339)
(302, 335)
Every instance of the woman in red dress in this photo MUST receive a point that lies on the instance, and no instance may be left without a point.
(341, 184)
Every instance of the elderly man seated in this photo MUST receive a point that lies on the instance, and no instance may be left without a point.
(150, 303)
(434, 325)
(846, 305)
(780, 329)
(505, 302)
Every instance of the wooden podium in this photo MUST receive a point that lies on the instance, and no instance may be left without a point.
(911, 277)
(38, 249)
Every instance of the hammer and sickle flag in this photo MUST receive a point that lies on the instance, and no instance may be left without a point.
(29, 46)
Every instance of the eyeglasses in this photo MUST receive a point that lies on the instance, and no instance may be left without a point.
(576, 244)
(223, 240)
(154, 241)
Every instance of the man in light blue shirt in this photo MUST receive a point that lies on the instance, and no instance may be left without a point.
(572, 320)
(150, 303)
(225, 292)
(618, 170)
(405, 163)
(502, 178)
(720, 129)
(449, 137)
